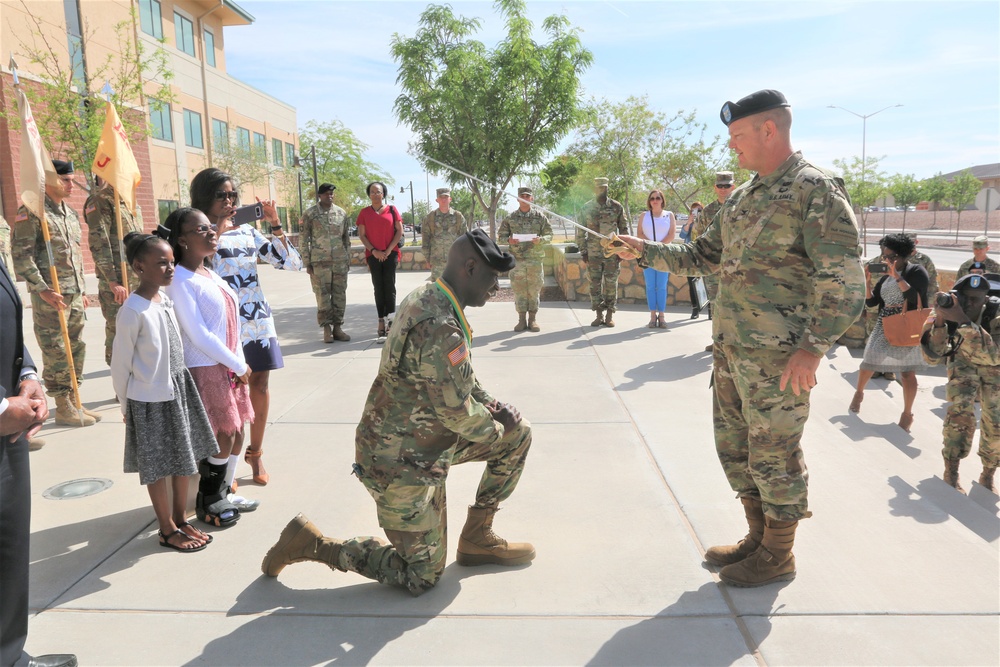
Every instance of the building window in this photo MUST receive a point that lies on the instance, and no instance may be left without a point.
(150, 19)
(210, 48)
(290, 155)
(160, 120)
(74, 39)
(192, 129)
(243, 138)
(260, 146)
(184, 34)
(279, 160)
(165, 207)
(220, 135)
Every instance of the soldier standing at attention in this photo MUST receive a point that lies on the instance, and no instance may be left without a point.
(527, 278)
(99, 211)
(425, 412)
(979, 263)
(604, 216)
(439, 230)
(32, 264)
(326, 253)
(786, 245)
(723, 186)
(923, 260)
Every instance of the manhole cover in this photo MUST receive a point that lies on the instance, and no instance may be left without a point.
(77, 488)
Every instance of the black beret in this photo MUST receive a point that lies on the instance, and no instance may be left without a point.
(63, 167)
(762, 100)
(974, 282)
(326, 187)
(490, 251)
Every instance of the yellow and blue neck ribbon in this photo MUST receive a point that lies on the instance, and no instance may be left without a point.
(464, 323)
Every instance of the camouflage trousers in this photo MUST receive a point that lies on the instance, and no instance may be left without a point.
(329, 284)
(712, 286)
(110, 311)
(603, 272)
(55, 363)
(438, 260)
(526, 279)
(966, 382)
(758, 429)
(415, 518)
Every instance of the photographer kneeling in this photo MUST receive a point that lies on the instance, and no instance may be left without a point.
(965, 329)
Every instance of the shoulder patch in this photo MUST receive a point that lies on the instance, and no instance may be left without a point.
(459, 354)
(21, 216)
(90, 208)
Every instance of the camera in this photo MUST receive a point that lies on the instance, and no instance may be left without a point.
(947, 299)
(878, 267)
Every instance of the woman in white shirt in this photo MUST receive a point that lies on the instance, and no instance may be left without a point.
(657, 225)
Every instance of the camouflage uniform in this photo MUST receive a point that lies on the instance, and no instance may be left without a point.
(704, 220)
(99, 211)
(605, 219)
(5, 255)
(786, 246)
(973, 374)
(31, 262)
(426, 411)
(989, 266)
(326, 252)
(528, 277)
(437, 233)
(928, 264)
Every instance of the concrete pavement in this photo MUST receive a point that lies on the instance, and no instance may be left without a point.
(620, 497)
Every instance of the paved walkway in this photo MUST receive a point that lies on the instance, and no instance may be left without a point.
(620, 497)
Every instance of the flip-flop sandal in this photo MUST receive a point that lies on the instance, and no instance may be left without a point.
(165, 542)
(203, 535)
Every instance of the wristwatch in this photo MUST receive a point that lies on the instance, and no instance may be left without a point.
(28, 376)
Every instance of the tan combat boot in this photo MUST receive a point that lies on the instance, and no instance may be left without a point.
(340, 334)
(608, 320)
(532, 325)
(327, 334)
(951, 474)
(734, 553)
(68, 415)
(479, 545)
(521, 323)
(770, 563)
(301, 541)
(599, 320)
(96, 416)
(986, 479)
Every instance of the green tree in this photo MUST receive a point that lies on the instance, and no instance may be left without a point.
(935, 191)
(962, 191)
(248, 165)
(70, 110)
(863, 185)
(907, 191)
(487, 112)
(339, 160)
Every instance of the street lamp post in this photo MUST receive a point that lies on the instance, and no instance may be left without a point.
(413, 221)
(864, 136)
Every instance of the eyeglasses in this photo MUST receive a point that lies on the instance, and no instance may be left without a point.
(890, 258)
(201, 230)
(656, 199)
(223, 194)
(724, 187)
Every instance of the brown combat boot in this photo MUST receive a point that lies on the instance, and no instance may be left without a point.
(532, 325)
(479, 545)
(986, 479)
(734, 553)
(521, 323)
(599, 320)
(68, 415)
(301, 541)
(608, 320)
(327, 334)
(339, 334)
(770, 563)
(951, 474)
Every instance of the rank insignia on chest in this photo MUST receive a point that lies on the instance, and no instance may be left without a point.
(459, 354)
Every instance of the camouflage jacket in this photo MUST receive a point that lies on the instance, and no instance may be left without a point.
(532, 222)
(439, 230)
(5, 255)
(989, 266)
(325, 236)
(705, 219)
(604, 219)
(787, 253)
(976, 351)
(932, 276)
(102, 236)
(426, 397)
(31, 260)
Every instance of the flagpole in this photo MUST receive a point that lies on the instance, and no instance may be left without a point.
(121, 243)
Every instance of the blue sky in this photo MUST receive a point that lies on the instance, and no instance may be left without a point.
(940, 60)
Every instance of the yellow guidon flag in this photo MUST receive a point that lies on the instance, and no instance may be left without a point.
(36, 165)
(114, 161)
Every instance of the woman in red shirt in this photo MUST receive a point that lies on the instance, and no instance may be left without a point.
(380, 228)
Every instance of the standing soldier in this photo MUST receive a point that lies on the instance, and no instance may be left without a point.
(971, 343)
(604, 216)
(979, 263)
(528, 276)
(439, 230)
(99, 211)
(32, 263)
(326, 253)
(923, 260)
(787, 248)
(723, 186)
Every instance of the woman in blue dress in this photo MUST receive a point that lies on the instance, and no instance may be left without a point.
(240, 246)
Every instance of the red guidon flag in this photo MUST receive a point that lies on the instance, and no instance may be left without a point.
(114, 161)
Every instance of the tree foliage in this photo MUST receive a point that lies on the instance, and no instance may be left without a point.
(962, 191)
(907, 191)
(339, 160)
(935, 190)
(487, 112)
(864, 185)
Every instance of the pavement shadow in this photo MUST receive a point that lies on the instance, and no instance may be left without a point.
(857, 430)
(324, 627)
(669, 638)
(511, 340)
(933, 501)
(668, 370)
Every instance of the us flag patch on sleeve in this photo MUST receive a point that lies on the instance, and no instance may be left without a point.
(21, 217)
(90, 209)
(459, 354)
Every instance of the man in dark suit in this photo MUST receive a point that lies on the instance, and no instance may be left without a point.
(23, 408)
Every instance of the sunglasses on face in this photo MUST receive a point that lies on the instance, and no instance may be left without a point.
(656, 199)
(222, 194)
(723, 187)
(202, 230)
(889, 257)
